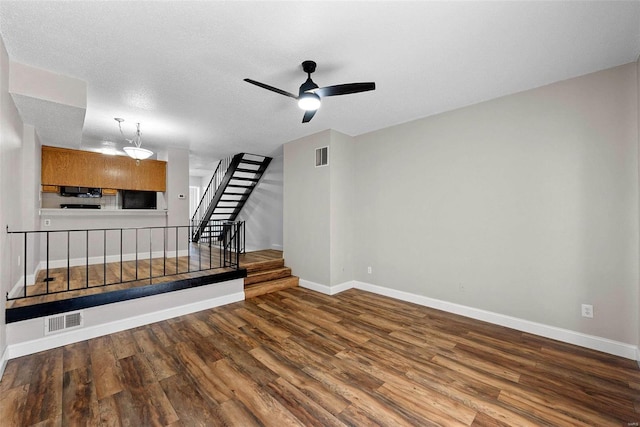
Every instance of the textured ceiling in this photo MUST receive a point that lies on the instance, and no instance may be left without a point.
(178, 67)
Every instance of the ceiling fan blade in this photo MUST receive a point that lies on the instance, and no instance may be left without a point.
(271, 88)
(308, 115)
(344, 89)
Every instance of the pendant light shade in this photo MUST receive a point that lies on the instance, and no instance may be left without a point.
(138, 153)
(135, 152)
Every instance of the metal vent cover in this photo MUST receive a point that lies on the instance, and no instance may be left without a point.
(322, 156)
(62, 322)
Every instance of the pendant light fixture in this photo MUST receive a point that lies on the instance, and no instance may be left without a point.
(135, 152)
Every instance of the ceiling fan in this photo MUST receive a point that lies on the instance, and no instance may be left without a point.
(310, 94)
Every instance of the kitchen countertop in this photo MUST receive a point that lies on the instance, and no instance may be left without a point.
(100, 212)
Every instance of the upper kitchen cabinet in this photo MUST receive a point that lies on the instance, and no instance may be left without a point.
(63, 166)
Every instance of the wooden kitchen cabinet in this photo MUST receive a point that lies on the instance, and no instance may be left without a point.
(63, 166)
(50, 189)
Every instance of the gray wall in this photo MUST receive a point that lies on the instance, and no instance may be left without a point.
(319, 209)
(525, 206)
(306, 214)
(342, 190)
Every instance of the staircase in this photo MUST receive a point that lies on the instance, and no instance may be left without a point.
(227, 192)
(267, 276)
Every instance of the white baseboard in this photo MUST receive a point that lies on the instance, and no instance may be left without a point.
(77, 335)
(16, 291)
(324, 289)
(276, 247)
(3, 361)
(605, 345)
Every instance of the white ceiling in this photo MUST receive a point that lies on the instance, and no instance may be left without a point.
(178, 67)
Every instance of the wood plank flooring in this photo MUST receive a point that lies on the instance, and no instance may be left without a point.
(80, 280)
(297, 357)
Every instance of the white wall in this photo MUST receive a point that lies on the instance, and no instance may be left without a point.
(177, 184)
(77, 248)
(526, 205)
(29, 198)
(11, 131)
(263, 210)
(48, 86)
(638, 305)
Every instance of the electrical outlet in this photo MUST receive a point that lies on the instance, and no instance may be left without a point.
(47, 222)
(369, 270)
(587, 310)
(19, 260)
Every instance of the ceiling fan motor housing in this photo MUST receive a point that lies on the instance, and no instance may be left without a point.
(307, 86)
(309, 67)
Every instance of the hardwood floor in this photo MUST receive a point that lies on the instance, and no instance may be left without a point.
(296, 357)
(80, 280)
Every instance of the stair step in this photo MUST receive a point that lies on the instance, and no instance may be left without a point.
(265, 276)
(230, 193)
(240, 178)
(247, 170)
(264, 265)
(251, 162)
(262, 288)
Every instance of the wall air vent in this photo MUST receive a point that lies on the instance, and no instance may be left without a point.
(322, 156)
(62, 322)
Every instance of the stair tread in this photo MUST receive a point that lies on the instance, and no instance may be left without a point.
(259, 272)
(242, 178)
(251, 162)
(263, 265)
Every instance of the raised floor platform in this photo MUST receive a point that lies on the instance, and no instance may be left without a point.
(87, 287)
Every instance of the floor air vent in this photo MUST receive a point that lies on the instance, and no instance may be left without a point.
(62, 322)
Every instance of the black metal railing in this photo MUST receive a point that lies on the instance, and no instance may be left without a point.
(87, 258)
(217, 178)
(213, 233)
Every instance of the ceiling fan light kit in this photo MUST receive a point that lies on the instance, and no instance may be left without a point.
(309, 101)
(310, 95)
